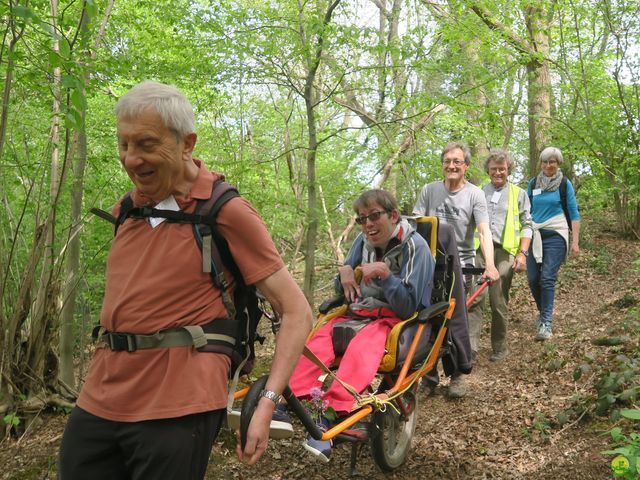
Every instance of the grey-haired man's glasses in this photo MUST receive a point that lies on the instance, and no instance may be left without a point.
(456, 162)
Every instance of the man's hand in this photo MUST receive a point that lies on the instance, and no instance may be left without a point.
(491, 273)
(520, 263)
(257, 433)
(375, 270)
(349, 285)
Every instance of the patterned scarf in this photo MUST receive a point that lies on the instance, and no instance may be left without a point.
(549, 184)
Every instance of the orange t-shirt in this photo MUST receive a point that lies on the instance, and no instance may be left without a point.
(155, 281)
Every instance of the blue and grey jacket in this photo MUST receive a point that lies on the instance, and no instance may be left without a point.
(409, 286)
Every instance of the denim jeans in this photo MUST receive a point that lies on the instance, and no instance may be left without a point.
(542, 276)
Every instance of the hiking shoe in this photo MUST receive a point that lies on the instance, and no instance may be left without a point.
(320, 448)
(498, 356)
(279, 428)
(544, 332)
(458, 386)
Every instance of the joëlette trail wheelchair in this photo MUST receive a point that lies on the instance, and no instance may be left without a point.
(389, 407)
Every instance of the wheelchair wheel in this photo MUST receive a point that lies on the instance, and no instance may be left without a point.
(393, 432)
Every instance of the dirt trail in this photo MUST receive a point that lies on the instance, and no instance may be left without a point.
(499, 431)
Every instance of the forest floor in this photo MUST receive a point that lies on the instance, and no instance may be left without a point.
(509, 426)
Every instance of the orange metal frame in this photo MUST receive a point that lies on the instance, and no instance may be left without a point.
(403, 381)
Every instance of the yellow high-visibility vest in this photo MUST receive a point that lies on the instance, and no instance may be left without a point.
(512, 226)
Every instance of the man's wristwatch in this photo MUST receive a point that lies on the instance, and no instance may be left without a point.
(525, 252)
(273, 396)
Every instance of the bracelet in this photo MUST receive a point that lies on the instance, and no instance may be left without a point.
(273, 396)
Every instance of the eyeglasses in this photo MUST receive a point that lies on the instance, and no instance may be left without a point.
(373, 216)
(549, 162)
(456, 162)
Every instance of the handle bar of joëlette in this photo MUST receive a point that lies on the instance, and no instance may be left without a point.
(483, 282)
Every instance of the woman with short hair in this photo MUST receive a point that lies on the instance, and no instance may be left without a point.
(556, 231)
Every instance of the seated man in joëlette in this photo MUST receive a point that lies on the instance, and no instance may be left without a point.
(397, 268)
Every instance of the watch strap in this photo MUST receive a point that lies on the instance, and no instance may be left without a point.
(273, 396)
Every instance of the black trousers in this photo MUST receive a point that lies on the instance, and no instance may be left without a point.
(169, 449)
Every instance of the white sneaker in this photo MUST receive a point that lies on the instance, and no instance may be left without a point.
(544, 332)
(279, 428)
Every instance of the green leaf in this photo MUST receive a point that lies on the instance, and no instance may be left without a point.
(23, 12)
(72, 120)
(65, 50)
(631, 414)
(78, 100)
(12, 419)
(616, 434)
(628, 395)
(69, 81)
(54, 59)
(92, 9)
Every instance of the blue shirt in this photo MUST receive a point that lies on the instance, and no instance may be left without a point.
(547, 204)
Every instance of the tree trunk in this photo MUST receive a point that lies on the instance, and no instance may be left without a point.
(539, 85)
(478, 144)
(5, 262)
(312, 212)
(536, 51)
(72, 277)
(310, 100)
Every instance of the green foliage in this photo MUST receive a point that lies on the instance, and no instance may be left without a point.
(626, 463)
(617, 381)
(551, 359)
(12, 420)
(601, 262)
(542, 425)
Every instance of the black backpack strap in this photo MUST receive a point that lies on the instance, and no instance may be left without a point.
(563, 200)
(126, 207)
(530, 186)
(174, 216)
(215, 249)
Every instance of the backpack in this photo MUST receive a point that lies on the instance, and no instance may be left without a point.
(236, 335)
(563, 197)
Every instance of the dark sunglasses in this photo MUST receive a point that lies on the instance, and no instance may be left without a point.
(373, 216)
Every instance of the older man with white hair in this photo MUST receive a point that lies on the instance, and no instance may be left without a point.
(510, 223)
